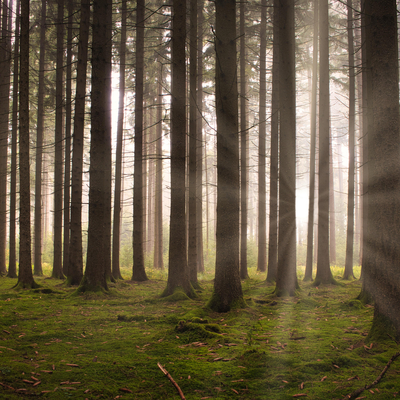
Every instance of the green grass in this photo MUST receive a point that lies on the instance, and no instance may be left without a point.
(93, 345)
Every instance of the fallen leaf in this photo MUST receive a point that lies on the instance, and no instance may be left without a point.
(36, 383)
(323, 378)
(72, 365)
(125, 390)
(300, 395)
(235, 391)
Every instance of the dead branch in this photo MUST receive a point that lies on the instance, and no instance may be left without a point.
(166, 373)
(357, 392)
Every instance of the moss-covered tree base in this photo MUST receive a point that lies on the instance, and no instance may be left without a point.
(86, 286)
(27, 285)
(329, 281)
(73, 281)
(178, 293)
(218, 305)
(307, 279)
(365, 297)
(382, 329)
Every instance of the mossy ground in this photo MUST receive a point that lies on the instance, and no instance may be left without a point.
(61, 345)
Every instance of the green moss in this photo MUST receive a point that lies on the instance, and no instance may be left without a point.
(199, 331)
(178, 295)
(353, 303)
(382, 329)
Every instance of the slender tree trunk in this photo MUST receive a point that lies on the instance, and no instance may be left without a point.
(192, 243)
(138, 271)
(158, 237)
(37, 270)
(348, 269)
(313, 134)
(12, 262)
(25, 276)
(75, 265)
(243, 150)
(67, 160)
(324, 274)
(274, 156)
(227, 287)
(332, 210)
(116, 240)
(5, 63)
(262, 219)
(286, 281)
(58, 140)
(95, 277)
(177, 269)
(200, 141)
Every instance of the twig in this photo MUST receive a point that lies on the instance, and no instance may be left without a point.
(357, 392)
(166, 373)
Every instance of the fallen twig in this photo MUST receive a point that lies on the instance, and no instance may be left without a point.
(166, 373)
(357, 392)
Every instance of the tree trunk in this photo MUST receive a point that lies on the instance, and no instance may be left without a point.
(382, 273)
(58, 140)
(313, 134)
(243, 149)
(286, 281)
(68, 119)
(192, 243)
(177, 268)
(75, 265)
(116, 240)
(324, 274)
(12, 262)
(227, 287)
(25, 276)
(95, 277)
(138, 271)
(348, 269)
(274, 157)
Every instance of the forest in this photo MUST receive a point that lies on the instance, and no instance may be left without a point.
(199, 199)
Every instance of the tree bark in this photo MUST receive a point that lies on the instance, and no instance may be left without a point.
(227, 287)
(286, 282)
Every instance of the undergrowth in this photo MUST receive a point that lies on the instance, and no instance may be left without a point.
(57, 344)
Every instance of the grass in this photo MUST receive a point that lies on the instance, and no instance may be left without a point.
(59, 345)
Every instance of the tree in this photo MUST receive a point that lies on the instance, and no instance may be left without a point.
(75, 264)
(324, 274)
(227, 287)
(262, 219)
(118, 154)
(95, 278)
(348, 269)
(39, 148)
(58, 140)
(286, 281)
(177, 268)
(274, 156)
(193, 189)
(138, 271)
(243, 149)
(382, 273)
(313, 134)
(25, 276)
(12, 262)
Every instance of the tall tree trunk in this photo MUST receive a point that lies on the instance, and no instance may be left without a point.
(37, 270)
(5, 63)
(68, 119)
(332, 210)
(227, 287)
(348, 269)
(313, 134)
(95, 277)
(25, 276)
(324, 274)
(58, 143)
(138, 271)
(382, 274)
(286, 281)
(274, 156)
(243, 150)
(262, 219)
(177, 269)
(192, 243)
(118, 154)
(158, 236)
(200, 141)
(12, 262)
(75, 265)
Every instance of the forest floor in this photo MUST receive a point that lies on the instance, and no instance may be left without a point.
(55, 344)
